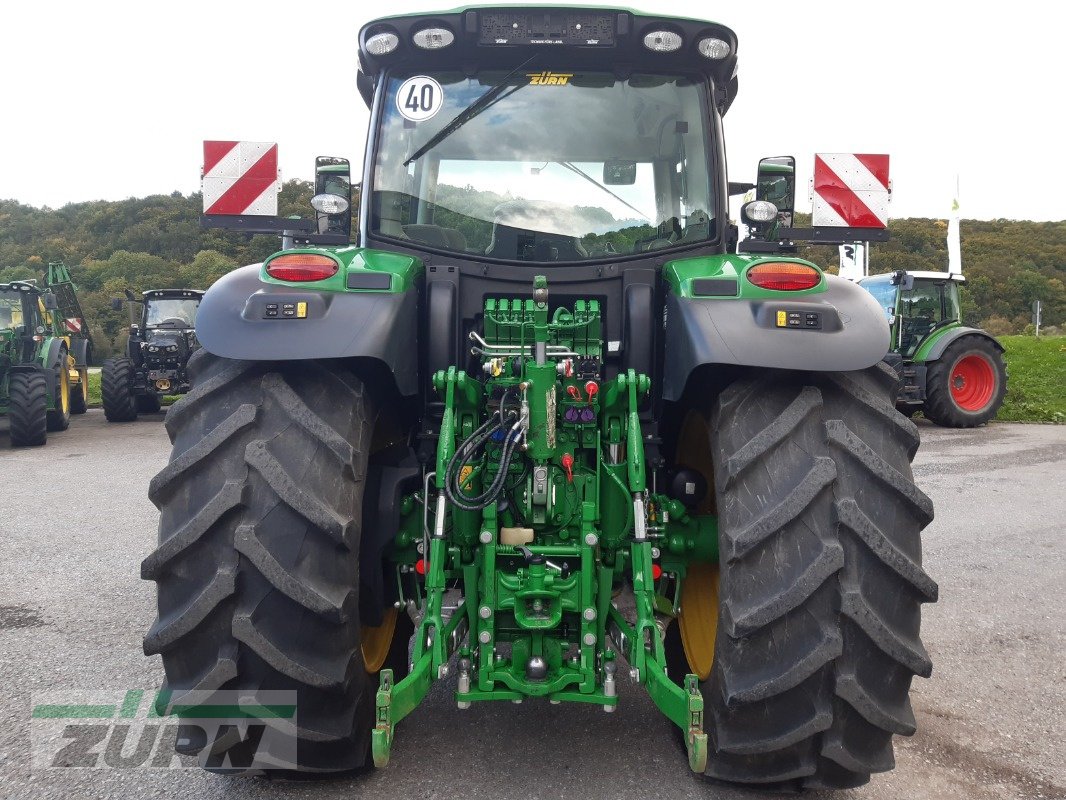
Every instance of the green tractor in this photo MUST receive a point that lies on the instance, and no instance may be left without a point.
(955, 375)
(541, 426)
(45, 349)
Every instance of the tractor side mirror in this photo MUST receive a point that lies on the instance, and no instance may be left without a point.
(776, 183)
(333, 195)
(50, 302)
(130, 295)
(617, 172)
(116, 303)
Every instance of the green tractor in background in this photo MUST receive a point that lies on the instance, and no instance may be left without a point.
(546, 382)
(955, 375)
(45, 348)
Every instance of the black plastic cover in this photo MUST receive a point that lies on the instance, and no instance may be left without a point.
(384, 327)
(854, 334)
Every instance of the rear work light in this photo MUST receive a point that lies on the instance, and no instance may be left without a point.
(381, 44)
(784, 276)
(433, 38)
(302, 267)
(663, 41)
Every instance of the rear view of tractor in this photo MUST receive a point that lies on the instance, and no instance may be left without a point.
(45, 347)
(545, 381)
(954, 374)
(161, 340)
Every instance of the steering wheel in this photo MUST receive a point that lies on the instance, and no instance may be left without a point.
(173, 322)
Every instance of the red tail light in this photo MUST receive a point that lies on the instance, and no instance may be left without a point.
(302, 267)
(783, 276)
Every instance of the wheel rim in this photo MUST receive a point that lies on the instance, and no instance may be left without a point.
(376, 642)
(698, 620)
(973, 382)
(64, 389)
(83, 385)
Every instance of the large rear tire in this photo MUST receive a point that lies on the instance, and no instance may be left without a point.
(820, 579)
(258, 559)
(116, 388)
(27, 410)
(965, 387)
(79, 395)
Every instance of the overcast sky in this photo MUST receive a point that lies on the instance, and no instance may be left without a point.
(108, 100)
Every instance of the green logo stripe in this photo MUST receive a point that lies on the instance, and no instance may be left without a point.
(73, 711)
(235, 712)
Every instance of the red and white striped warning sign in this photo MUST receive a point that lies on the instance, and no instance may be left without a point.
(850, 190)
(241, 178)
(73, 324)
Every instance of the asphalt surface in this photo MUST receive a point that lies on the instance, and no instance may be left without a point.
(76, 522)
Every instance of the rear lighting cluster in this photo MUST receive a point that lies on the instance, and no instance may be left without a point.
(432, 38)
(668, 41)
(302, 267)
(784, 276)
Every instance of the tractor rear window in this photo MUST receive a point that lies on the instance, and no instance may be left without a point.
(544, 165)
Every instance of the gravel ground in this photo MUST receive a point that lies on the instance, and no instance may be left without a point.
(990, 721)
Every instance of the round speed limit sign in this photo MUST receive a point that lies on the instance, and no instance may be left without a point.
(419, 98)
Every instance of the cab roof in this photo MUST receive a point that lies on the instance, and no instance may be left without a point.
(170, 294)
(551, 37)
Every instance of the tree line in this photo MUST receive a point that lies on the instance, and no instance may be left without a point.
(156, 242)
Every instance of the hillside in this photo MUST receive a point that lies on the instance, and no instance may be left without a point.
(156, 242)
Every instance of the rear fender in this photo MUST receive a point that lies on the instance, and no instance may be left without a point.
(933, 350)
(233, 322)
(851, 333)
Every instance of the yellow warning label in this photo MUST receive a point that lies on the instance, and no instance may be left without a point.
(301, 310)
(464, 473)
(782, 319)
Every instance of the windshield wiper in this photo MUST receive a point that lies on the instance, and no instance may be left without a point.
(599, 185)
(483, 103)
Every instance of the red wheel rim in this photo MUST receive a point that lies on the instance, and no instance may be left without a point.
(973, 382)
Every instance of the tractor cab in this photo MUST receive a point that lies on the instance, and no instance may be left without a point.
(916, 304)
(19, 312)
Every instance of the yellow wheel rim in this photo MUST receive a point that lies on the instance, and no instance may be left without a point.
(378, 641)
(64, 390)
(698, 620)
(83, 381)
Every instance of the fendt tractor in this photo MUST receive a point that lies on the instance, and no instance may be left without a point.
(544, 380)
(162, 337)
(45, 349)
(954, 374)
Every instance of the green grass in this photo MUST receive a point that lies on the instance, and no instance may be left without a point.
(1036, 383)
(95, 399)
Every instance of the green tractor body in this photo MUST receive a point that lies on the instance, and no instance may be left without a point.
(45, 347)
(161, 340)
(953, 373)
(541, 428)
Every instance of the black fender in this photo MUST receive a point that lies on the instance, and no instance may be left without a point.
(52, 361)
(232, 322)
(79, 348)
(941, 344)
(852, 333)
